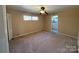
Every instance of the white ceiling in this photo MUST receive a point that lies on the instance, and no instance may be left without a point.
(36, 8)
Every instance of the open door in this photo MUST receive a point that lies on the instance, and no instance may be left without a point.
(9, 25)
(55, 23)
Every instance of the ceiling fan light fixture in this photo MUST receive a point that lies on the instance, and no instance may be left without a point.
(42, 11)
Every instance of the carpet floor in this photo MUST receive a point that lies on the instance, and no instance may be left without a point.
(43, 42)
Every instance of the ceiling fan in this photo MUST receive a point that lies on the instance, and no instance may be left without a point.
(42, 11)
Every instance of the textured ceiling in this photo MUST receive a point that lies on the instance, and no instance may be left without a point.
(36, 8)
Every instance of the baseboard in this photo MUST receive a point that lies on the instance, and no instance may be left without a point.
(68, 35)
(27, 33)
(41, 30)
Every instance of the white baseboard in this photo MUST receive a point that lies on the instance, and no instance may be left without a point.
(41, 30)
(68, 35)
(27, 33)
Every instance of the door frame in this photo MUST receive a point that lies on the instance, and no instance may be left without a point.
(9, 26)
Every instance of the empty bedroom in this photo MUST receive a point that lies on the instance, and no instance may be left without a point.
(42, 28)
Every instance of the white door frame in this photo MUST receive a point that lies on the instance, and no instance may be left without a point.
(9, 25)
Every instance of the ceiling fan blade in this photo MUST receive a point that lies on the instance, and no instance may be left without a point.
(42, 8)
(46, 12)
(40, 13)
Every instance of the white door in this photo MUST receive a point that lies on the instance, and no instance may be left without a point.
(9, 23)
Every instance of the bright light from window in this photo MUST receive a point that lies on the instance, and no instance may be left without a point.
(30, 18)
(34, 18)
(27, 17)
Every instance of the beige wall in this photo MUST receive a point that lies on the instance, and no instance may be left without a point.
(68, 22)
(47, 23)
(20, 27)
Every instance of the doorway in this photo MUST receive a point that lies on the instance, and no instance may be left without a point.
(55, 23)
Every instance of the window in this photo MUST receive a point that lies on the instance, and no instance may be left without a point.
(34, 18)
(27, 17)
(30, 18)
